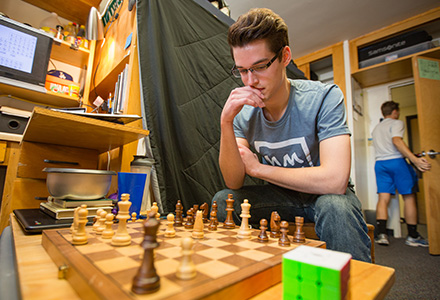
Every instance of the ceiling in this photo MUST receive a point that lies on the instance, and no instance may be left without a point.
(316, 24)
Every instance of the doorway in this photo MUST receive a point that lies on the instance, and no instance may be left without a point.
(404, 94)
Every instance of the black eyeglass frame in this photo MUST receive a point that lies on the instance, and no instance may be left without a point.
(237, 73)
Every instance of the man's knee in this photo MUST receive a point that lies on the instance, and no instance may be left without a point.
(337, 205)
(220, 198)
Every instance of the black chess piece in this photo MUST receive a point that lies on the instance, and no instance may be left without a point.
(178, 221)
(213, 224)
(263, 237)
(205, 208)
(275, 225)
(229, 222)
(146, 280)
(284, 238)
(189, 224)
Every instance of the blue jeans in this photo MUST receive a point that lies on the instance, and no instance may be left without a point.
(338, 218)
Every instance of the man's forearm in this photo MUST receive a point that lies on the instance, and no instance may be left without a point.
(331, 177)
(231, 164)
(403, 148)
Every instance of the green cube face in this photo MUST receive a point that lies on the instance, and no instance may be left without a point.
(309, 281)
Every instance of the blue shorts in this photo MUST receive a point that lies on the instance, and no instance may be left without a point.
(395, 174)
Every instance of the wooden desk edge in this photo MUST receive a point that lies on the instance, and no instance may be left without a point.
(37, 273)
(360, 273)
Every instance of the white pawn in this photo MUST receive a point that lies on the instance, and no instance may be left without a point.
(97, 223)
(155, 209)
(170, 232)
(133, 217)
(245, 232)
(108, 232)
(101, 220)
(186, 269)
(80, 235)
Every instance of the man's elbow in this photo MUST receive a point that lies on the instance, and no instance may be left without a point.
(233, 185)
(338, 186)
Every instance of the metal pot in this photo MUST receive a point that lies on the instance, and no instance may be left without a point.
(78, 184)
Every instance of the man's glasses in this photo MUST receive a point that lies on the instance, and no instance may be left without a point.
(239, 72)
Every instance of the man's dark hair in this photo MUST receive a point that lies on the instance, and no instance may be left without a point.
(388, 107)
(259, 24)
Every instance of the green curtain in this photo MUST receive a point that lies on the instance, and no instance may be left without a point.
(185, 67)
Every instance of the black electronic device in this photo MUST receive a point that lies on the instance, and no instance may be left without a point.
(34, 220)
(24, 55)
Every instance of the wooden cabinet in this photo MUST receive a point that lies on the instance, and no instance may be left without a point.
(399, 68)
(335, 57)
(65, 137)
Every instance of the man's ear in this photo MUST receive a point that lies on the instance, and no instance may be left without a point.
(287, 56)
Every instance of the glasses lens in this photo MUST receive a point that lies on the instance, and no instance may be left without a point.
(236, 73)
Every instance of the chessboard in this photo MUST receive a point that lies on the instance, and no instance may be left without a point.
(227, 267)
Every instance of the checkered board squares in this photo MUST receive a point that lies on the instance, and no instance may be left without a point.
(222, 261)
(314, 274)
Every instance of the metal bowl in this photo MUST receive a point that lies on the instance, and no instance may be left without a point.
(78, 184)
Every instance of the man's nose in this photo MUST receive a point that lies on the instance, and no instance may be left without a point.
(250, 78)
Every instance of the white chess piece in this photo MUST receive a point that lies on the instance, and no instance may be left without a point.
(80, 235)
(108, 232)
(186, 269)
(122, 237)
(245, 232)
(198, 226)
(170, 232)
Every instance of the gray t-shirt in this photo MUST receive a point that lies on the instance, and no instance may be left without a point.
(383, 135)
(315, 112)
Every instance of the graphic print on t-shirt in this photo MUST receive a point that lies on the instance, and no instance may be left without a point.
(289, 153)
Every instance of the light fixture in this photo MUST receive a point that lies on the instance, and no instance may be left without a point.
(94, 27)
(222, 6)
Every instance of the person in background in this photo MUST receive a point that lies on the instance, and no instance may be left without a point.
(393, 172)
(298, 128)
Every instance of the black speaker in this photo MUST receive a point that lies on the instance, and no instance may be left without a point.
(12, 124)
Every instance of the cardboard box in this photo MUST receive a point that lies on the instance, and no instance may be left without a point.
(62, 86)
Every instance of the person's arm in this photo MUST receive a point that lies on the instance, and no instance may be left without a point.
(421, 163)
(331, 177)
(231, 164)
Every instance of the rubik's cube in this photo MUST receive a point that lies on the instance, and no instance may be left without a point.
(315, 273)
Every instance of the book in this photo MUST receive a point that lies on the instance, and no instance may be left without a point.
(15, 111)
(67, 213)
(62, 203)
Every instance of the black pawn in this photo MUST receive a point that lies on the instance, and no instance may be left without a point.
(213, 224)
(189, 219)
(263, 237)
(146, 280)
(284, 240)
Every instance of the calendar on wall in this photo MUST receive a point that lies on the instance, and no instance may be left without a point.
(17, 49)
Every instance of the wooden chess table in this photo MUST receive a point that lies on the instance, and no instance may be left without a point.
(38, 275)
(226, 265)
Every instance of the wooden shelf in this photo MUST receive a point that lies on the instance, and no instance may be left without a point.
(48, 98)
(400, 68)
(62, 51)
(106, 84)
(76, 11)
(59, 128)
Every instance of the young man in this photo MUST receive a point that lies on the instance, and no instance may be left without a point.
(393, 172)
(298, 128)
